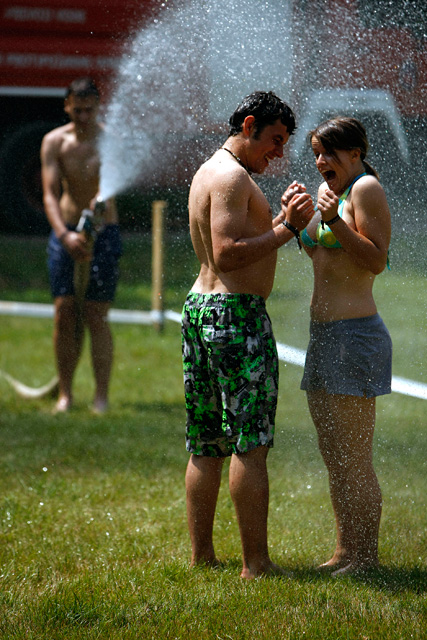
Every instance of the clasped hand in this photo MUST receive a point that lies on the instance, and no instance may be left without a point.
(328, 205)
(76, 245)
(297, 205)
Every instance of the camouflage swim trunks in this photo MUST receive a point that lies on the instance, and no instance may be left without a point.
(231, 373)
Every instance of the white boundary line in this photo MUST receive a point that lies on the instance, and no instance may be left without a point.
(286, 353)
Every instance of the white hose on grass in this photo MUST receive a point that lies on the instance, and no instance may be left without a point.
(288, 354)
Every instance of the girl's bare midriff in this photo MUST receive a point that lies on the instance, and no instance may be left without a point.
(342, 290)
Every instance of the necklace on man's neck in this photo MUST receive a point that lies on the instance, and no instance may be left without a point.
(236, 158)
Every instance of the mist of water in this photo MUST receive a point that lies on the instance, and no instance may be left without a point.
(184, 73)
(180, 79)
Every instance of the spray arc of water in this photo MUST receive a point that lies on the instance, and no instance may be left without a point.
(184, 73)
(181, 78)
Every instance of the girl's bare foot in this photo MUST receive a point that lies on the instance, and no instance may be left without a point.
(335, 563)
(355, 569)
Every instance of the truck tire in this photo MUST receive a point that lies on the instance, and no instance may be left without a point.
(21, 197)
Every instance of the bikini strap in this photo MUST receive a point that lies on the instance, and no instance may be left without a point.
(342, 198)
(305, 239)
(347, 191)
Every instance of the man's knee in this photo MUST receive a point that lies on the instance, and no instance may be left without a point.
(206, 462)
(255, 456)
(65, 311)
(96, 315)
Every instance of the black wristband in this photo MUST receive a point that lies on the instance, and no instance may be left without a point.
(63, 234)
(331, 221)
(294, 231)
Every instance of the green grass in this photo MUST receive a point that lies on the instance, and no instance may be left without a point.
(94, 541)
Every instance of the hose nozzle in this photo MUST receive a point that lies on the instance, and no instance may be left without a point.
(92, 221)
(100, 207)
(85, 221)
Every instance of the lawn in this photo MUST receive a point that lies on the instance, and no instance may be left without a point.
(94, 541)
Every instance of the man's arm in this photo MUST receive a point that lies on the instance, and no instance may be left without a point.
(232, 249)
(51, 181)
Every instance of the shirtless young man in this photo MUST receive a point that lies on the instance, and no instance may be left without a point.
(229, 352)
(70, 175)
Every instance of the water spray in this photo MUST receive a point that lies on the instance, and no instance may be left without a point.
(160, 127)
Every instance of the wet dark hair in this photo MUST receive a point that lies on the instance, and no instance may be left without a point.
(266, 107)
(343, 133)
(82, 88)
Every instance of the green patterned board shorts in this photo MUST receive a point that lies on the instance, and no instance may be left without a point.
(231, 373)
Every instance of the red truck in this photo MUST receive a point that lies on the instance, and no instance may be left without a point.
(348, 55)
(44, 45)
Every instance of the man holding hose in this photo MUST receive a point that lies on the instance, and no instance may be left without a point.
(70, 176)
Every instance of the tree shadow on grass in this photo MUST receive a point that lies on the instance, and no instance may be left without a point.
(166, 407)
(390, 579)
(148, 438)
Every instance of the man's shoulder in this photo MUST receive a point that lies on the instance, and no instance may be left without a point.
(57, 135)
(221, 170)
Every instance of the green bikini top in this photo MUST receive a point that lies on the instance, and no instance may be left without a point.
(324, 234)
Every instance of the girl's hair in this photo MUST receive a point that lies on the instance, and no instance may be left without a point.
(344, 133)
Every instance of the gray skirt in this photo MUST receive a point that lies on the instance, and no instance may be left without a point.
(349, 357)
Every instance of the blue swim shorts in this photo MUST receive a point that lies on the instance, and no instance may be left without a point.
(231, 374)
(104, 272)
(349, 357)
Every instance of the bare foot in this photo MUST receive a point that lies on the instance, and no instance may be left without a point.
(100, 407)
(269, 570)
(335, 563)
(207, 562)
(63, 405)
(356, 569)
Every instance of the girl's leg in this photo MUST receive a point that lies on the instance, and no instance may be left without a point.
(345, 426)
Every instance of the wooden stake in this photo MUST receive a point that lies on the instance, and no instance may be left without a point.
(158, 215)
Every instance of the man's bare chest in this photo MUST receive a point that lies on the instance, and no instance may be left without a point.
(259, 217)
(79, 160)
